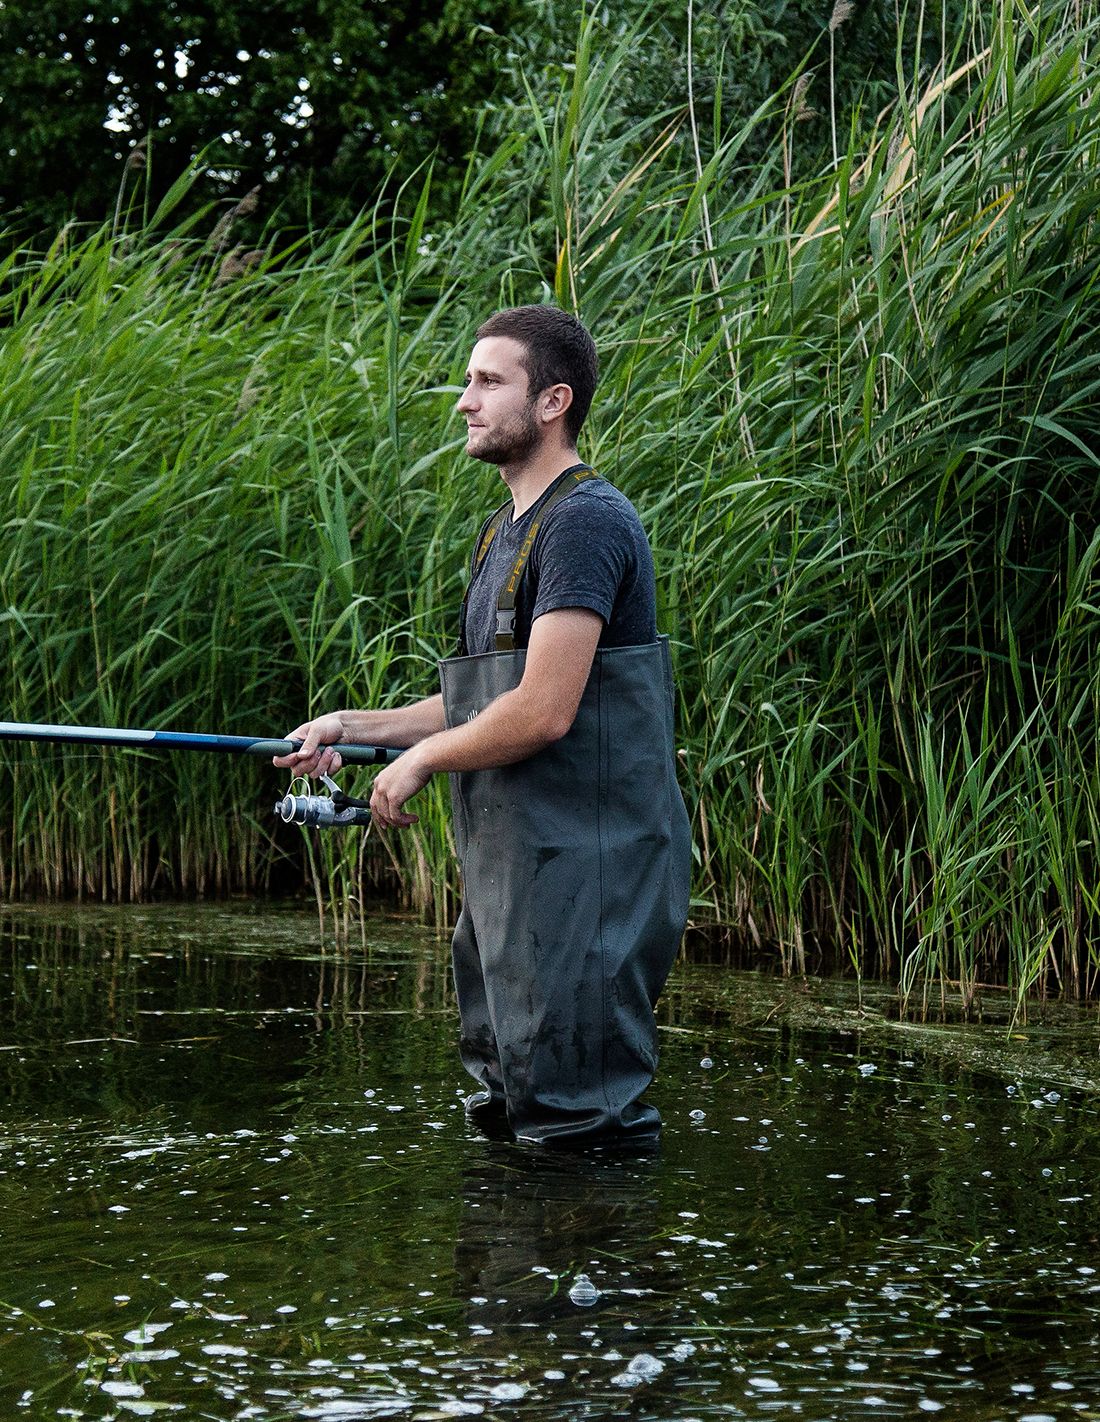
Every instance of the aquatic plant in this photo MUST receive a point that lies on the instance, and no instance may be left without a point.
(854, 413)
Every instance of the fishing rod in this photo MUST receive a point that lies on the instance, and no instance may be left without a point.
(334, 809)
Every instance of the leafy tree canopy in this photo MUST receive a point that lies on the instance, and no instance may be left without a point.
(316, 101)
(312, 99)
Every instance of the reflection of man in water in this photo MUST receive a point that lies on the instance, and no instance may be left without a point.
(527, 1231)
(555, 725)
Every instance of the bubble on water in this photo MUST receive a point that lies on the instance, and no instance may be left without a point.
(642, 1368)
(682, 1352)
(706, 1063)
(1085, 1269)
(117, 1388)
(584, 1292)
(224, 1350)
(1022, 1387)
(1047, 1172)
(46, 1303)
(287, 1308)
(149, 1355)
(697, 1115)
(454, 1407)
(554, 1375)
(216, 1277)
(926, 1404)
(1038, 1417)
(1052, 1096)
(867, 1068)
(710, 1296)
(146, 1332)
(764, 1384)
(508, 1391)
(118, 1209)
(1038, 1101)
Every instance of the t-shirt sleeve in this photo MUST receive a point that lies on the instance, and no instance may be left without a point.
(582, 557)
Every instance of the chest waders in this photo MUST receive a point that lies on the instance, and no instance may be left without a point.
(575, 866)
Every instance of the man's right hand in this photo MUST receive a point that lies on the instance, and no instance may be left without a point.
(316, 756)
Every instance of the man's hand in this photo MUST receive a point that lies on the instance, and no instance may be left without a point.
(393, 786)
(316, 756)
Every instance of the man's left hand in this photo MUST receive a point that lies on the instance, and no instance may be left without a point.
(393, 786)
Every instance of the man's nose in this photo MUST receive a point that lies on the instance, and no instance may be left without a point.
(466, 400)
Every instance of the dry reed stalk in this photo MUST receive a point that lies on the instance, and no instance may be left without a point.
(708, 238)
(841, 12)
(900, 161)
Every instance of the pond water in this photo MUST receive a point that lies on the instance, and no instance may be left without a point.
(236, 1181)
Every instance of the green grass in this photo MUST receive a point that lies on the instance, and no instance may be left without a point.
(856, 417)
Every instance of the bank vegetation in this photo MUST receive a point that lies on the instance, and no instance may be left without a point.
(855, 411)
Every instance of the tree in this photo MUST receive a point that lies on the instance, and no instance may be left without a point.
(316, 102)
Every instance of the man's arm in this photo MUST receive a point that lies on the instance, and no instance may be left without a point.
(401, 726)
(537, 712)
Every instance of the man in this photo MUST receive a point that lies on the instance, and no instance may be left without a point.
(555, 725)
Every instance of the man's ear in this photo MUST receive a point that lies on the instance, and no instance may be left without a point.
(554, 401)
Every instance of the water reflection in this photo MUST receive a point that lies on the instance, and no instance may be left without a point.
(532, 1222)
(236, 1181)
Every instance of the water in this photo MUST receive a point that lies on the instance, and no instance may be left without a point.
(236, 1181)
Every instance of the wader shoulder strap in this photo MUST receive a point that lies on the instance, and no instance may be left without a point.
(562, 487)
(489, 530)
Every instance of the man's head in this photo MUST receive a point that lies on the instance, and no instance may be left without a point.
(557, 350)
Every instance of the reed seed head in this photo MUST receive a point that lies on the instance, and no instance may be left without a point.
(137, 157)
(802, 110)
(841, 12)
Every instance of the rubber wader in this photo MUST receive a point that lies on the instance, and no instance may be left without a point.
(575, 867)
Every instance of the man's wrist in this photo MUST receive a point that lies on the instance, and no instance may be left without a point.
(425, 754)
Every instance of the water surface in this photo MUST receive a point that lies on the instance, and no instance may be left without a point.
(236, 1181)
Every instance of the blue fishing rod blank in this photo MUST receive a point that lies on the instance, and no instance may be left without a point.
(182, 740)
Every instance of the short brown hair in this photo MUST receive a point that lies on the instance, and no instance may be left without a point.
(558, 350)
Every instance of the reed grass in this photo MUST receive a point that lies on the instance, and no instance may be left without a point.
(854, 412)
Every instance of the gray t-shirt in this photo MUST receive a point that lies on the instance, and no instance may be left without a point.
(591, 552)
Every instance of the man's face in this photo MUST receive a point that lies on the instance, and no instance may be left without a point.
(502, 427)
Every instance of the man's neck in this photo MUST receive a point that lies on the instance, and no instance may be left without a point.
(527, 482)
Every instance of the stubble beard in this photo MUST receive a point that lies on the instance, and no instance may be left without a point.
(512, 444)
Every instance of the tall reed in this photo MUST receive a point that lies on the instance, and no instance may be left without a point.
(855, 415)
